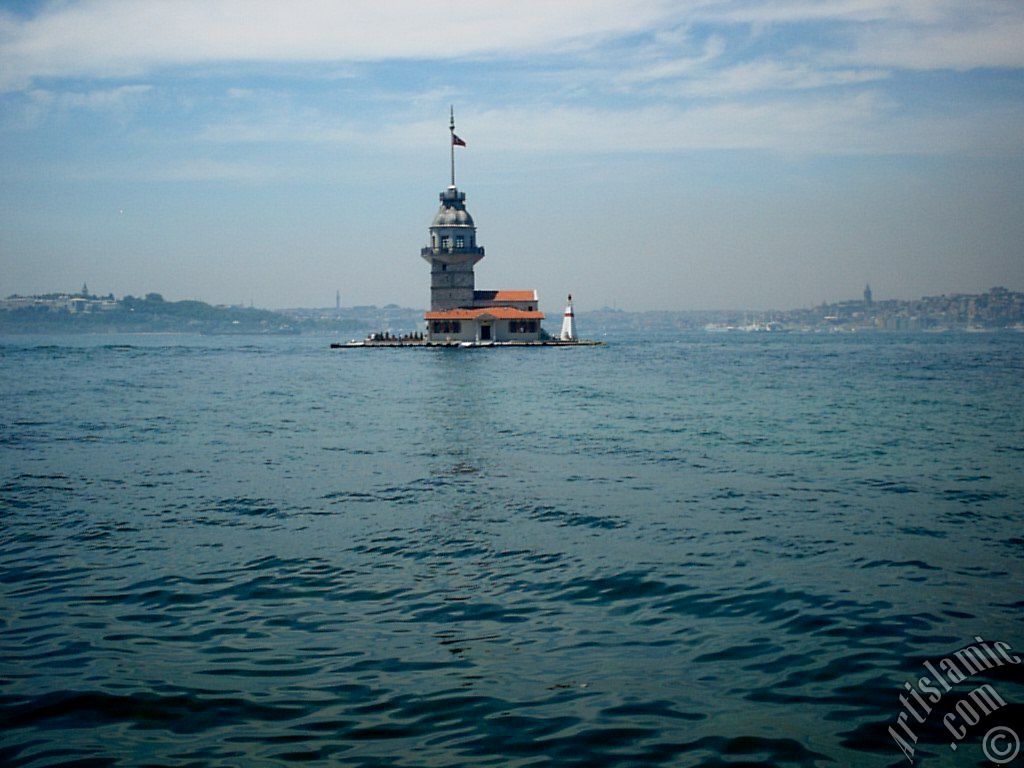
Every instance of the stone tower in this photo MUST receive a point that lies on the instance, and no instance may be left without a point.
(452, 251)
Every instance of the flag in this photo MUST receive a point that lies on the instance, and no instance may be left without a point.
(457, 142)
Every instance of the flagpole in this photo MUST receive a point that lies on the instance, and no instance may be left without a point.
(452, 142)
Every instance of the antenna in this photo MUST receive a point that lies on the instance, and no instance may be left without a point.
(452, 129)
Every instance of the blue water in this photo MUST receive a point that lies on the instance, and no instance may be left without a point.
(709, 550)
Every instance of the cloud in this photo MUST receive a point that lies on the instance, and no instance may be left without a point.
(202, 169)
(762, 76)
(283, 130)
(862, 41)
(706, 76)
(810, 125)
(38, 104)
(996, 42)
(642, 75)
(865, 123)
(107, 98)
(104, 38)
(667, 67)
(153, 169)
(631, 42)
(911, 34)
(797, 11)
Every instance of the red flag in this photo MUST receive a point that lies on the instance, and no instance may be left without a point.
(457, 142)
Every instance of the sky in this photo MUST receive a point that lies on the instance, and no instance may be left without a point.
(642, 154)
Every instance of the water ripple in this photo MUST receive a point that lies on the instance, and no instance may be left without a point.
(725, 552)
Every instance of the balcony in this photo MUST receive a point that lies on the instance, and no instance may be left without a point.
(453, 255)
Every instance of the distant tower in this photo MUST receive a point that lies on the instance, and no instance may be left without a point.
(867, 295)
(85, 290)
(337, 301)
(568, 323)
(452, 251)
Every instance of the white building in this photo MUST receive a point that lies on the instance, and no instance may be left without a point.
(459, 312)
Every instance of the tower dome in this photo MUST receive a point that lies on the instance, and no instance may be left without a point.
(452, 232)
(452, 212)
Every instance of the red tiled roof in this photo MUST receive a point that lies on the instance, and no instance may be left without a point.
(494, 313)
(505, 295)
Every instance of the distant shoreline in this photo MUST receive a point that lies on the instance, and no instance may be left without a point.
(998, 309)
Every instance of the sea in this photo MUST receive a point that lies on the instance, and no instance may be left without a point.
(732, 549)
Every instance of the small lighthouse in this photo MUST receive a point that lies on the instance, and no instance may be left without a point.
(568, 323)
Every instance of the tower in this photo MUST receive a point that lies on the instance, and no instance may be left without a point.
(867, 295)
(568, 323)
(458, 312)
(452, 250)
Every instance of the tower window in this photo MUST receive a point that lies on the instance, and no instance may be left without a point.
(446, 243)
(460, 242)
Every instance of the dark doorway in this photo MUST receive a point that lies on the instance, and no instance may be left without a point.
(485, 333)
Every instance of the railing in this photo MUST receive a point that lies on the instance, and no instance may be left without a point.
(479, 251)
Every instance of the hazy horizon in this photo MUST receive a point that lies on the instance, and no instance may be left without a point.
(555, 305)
(643, 155)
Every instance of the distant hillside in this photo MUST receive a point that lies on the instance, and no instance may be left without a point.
(83, 312)
(63, 313)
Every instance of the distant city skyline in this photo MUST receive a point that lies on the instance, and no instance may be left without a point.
(58, 297)
(640, 154)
